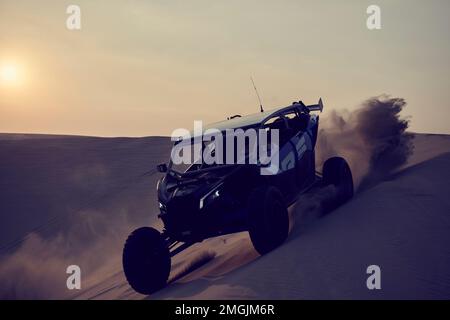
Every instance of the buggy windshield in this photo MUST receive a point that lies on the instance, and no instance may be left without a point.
(191, 155)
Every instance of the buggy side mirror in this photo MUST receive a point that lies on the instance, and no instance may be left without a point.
(161, 167)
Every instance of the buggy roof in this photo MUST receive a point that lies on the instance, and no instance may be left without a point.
(250, 120)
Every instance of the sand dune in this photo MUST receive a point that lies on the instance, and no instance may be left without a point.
(83, 195)
(70, 200)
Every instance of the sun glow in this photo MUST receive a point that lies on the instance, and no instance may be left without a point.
(10, 74)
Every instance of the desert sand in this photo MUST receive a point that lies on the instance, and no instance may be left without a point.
(73, 200)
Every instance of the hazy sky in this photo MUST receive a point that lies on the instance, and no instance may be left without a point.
(147, 67)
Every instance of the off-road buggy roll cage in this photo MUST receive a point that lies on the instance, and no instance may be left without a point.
(257, 121)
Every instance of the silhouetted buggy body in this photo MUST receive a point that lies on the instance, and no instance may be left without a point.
(201, 200)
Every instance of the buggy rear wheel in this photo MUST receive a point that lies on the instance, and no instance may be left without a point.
(146, 260)
(268, 219)
(336, 172)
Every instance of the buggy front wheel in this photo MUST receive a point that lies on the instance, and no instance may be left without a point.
(146, 260)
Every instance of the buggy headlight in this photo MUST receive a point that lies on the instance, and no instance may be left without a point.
(210, 197)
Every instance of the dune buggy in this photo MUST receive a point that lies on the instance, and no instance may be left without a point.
(201, 201)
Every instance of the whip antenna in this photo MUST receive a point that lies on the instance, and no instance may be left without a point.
(257, 94)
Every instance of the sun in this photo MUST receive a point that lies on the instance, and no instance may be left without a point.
(9, 74)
